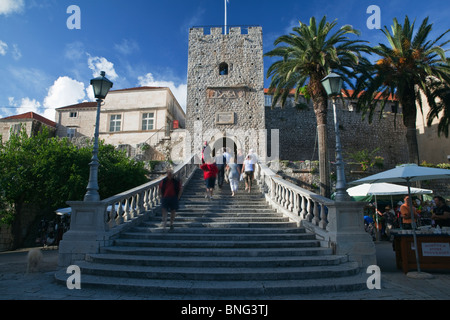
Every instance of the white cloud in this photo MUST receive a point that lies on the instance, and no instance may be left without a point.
(127, 47)
(97, 64)
(64, 91)
(75, 51)
(11, 6)
(179, 91)
(16, 53)
(23, 106)
(3, 47)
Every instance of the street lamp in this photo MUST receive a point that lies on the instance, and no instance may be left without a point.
(333, 85)
(101, 86)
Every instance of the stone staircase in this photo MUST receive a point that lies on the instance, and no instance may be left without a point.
(225, 247)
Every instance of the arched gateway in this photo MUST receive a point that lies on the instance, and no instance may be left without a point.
(225, 99)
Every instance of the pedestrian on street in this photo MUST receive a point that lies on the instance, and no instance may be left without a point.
(170, 191)
(210, 171)
(233, 176)
(221, 163)
(247, 171)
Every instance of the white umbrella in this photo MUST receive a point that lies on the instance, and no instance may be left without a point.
(408, 173)
(382, 188)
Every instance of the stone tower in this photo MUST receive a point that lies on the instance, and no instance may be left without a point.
(225, 97)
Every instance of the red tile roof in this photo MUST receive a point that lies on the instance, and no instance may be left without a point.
(350, 93)
(32, 115)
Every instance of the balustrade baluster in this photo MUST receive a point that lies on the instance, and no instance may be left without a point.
(316, 218)
(112, 216)
(133, 207)
(303, 213)
(120, 216)
(127, 209)
(323, 217)
(309, 216)
(291, 200)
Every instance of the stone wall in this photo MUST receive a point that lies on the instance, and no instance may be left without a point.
(298, 141)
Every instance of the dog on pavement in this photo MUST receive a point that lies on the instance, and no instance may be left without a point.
(34, 260)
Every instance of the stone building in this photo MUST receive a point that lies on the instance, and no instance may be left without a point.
(134, 119)
(31, 121)
(225, 101)
(432, 147)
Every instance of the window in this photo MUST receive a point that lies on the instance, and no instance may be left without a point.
(73, 114)
(148, 120)
(71, 132)
(115, 122)
(223, 69)
(268, 100)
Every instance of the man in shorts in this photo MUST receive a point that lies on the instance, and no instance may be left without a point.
(170, 190)
(210, 172)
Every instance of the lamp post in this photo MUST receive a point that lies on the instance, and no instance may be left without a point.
(101, 86)
(333, 85)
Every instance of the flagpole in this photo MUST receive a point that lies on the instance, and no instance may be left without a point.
(225, 16)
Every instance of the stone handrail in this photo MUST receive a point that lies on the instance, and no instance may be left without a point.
(130, 204)
(299, 204)
(337, 224)
(95, 224)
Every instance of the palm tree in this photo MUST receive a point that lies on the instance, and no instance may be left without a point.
(405, 69)
(440, 107)
(308, 55)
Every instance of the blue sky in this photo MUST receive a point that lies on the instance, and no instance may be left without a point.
(45, 65)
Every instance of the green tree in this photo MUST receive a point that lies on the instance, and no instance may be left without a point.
(46, 172)
(308, 55)
(406, 69)
(439, 107)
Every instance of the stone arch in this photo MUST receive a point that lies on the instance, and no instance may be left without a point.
(225, 142)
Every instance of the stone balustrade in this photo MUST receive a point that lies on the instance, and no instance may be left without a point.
(337, 224)
(96, 224)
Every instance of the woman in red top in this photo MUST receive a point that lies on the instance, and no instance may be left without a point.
(210, 171)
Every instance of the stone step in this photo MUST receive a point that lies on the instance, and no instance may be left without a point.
(221, 247)
(213, 252)
(205, 289)
(192, 212)
(136, 234)
(215, 244)
(225, 219)
(220, 272)
(229, 230)
(205, 262)
(212, 224)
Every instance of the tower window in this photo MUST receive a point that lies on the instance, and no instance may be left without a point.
(223, 69)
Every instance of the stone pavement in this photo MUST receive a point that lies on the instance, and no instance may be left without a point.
(16, 284)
